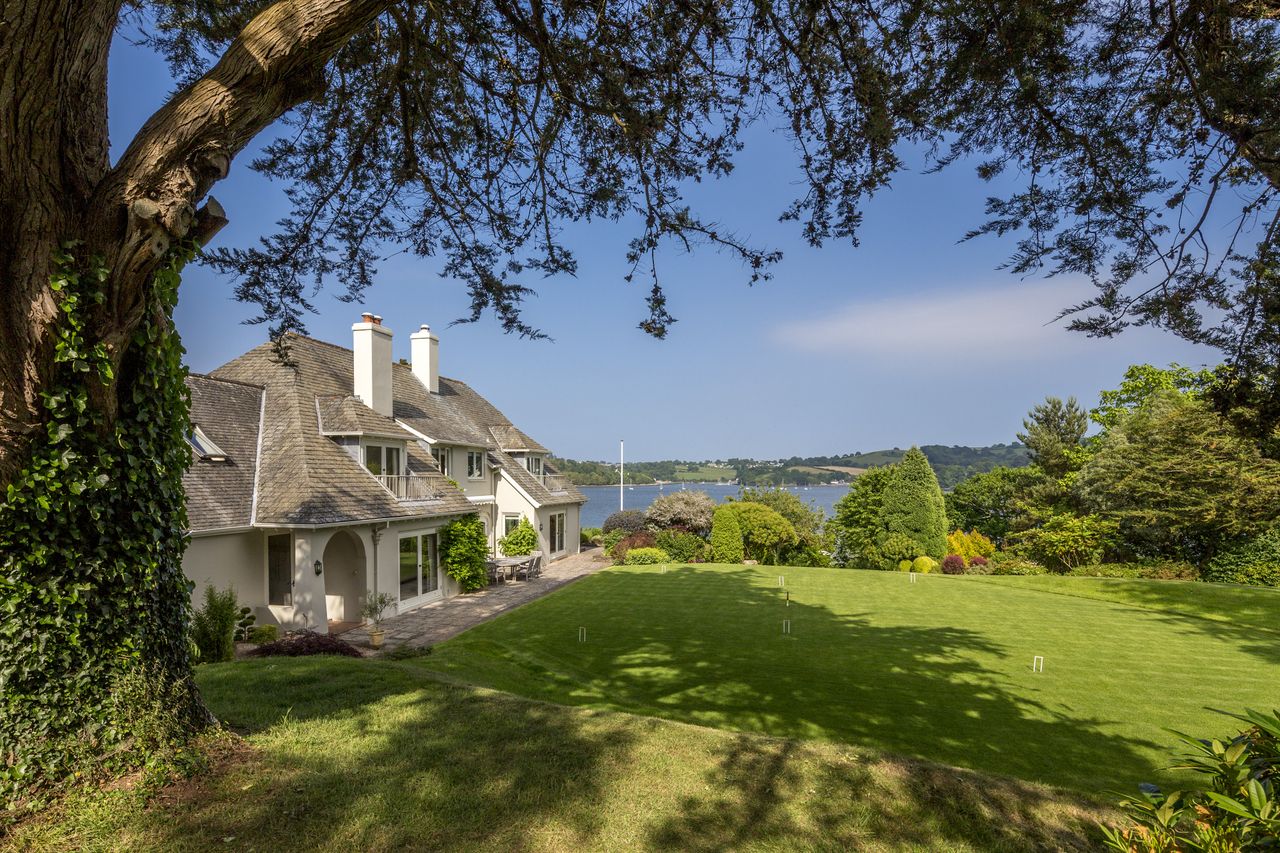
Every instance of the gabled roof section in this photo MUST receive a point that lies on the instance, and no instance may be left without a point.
(220, 494)
(455, 415)
(307, 478)
(511, 440)
(552, 490)
(348, 415)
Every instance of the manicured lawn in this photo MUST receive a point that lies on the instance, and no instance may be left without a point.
(349, 754)
(939, 669)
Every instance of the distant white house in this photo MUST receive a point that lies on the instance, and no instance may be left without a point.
(332, 472)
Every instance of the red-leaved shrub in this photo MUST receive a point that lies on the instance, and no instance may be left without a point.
(302, 643)
(643, 539)
(953, 564)
(979, 561)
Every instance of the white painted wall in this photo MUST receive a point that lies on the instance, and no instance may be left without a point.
(230, 559)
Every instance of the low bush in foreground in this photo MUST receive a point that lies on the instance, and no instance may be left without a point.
(683, 547)
(304, 643)
(213, 626)
(1168, 571)
(646, 557)
(953, 564)
(642, 539)
(1238, 809)
(1011, 564)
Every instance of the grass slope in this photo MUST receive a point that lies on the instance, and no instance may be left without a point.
(378, 755)
(938, 669)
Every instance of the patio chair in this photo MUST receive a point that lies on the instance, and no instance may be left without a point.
(531, 569)
(495, 574)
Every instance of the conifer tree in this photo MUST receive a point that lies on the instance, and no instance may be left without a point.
(726, 536)
(912, 505)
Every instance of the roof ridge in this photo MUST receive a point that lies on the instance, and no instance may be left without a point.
(212, 378)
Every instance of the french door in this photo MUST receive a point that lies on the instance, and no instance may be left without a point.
(419, 566)
(555, 537)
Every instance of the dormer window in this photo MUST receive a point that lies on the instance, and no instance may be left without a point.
(475, 464)
(383, 459)
(534, 464)
(205, 448)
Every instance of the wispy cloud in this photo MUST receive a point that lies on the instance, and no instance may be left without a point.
(995, 321)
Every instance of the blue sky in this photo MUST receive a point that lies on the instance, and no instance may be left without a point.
(910, 338)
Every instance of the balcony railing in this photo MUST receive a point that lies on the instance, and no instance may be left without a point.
(555, 482)
(410, 487)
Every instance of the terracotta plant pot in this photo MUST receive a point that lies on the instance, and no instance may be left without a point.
(375, 638)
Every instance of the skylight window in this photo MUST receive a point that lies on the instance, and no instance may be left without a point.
(205, 447)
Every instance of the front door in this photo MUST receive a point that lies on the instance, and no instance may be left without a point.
(419, 568)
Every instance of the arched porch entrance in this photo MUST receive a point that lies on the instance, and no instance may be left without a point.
(344, 579)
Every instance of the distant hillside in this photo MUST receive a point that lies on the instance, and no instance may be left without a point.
(952, 464)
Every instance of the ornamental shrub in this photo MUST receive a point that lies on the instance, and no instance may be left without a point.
(969, 545)
(630, 520)
(521, 541)
(1255, 562)
(464, 548)
(979, 566)
(912, 505)
(1067, 541)
(765, 533)
(1011, 564)
(896, 547)
(213, 626)
(305, 643)
(726, 536)
(1238, 808)
(905, 565)
(923, 565)
(610, 539)
(683, 547)
(261, 634)
(642, 539)
(690, 511)
(646, 557)
(953, 564)
(589, 535)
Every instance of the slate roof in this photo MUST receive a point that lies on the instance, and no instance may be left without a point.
(220, 494)
(348, 415)
(306, 476)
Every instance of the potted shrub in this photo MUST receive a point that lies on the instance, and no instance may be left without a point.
(375, 605)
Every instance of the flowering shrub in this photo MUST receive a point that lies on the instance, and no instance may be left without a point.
(690, 511)
(953, 564)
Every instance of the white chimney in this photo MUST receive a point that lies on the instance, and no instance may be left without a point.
(424, 353)
(371, 347)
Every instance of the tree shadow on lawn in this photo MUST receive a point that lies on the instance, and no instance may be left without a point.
(384, 760)
(862, 803)
(909, 690)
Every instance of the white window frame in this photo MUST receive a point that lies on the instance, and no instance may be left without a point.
(533, 464)
(510, 521)
(420, 537)
(441, 455)
(476, 456)
(379, 451)
(556, 527)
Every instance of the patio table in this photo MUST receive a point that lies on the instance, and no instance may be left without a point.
(508, 565)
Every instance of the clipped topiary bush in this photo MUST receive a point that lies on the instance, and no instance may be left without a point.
(1255, 562)
(765, 532)
(683, 547)
(646, 557)
(521, 541)
(690, 511)
(726, 536)
(630, 520)
(904, 565)
(953, 564)
(923, 565)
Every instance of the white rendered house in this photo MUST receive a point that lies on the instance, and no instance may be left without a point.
(331, 473)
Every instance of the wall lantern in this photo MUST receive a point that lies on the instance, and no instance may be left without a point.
(319, 566)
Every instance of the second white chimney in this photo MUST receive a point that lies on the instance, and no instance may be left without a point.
(424, 353)
(371, 348)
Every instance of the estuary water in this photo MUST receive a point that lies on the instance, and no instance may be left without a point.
(603, 500)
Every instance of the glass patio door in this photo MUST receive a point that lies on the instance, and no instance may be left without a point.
(419, 566)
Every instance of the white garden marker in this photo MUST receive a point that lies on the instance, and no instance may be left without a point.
(913, 577)
(1037, 663)
(781, 580)
(582, 635)
(786, 626)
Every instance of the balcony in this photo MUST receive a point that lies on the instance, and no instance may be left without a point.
(555, 482)
(410, 487)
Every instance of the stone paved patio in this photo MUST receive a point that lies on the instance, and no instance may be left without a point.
(436, 622)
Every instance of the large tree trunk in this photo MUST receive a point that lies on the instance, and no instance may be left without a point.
(57, 184)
